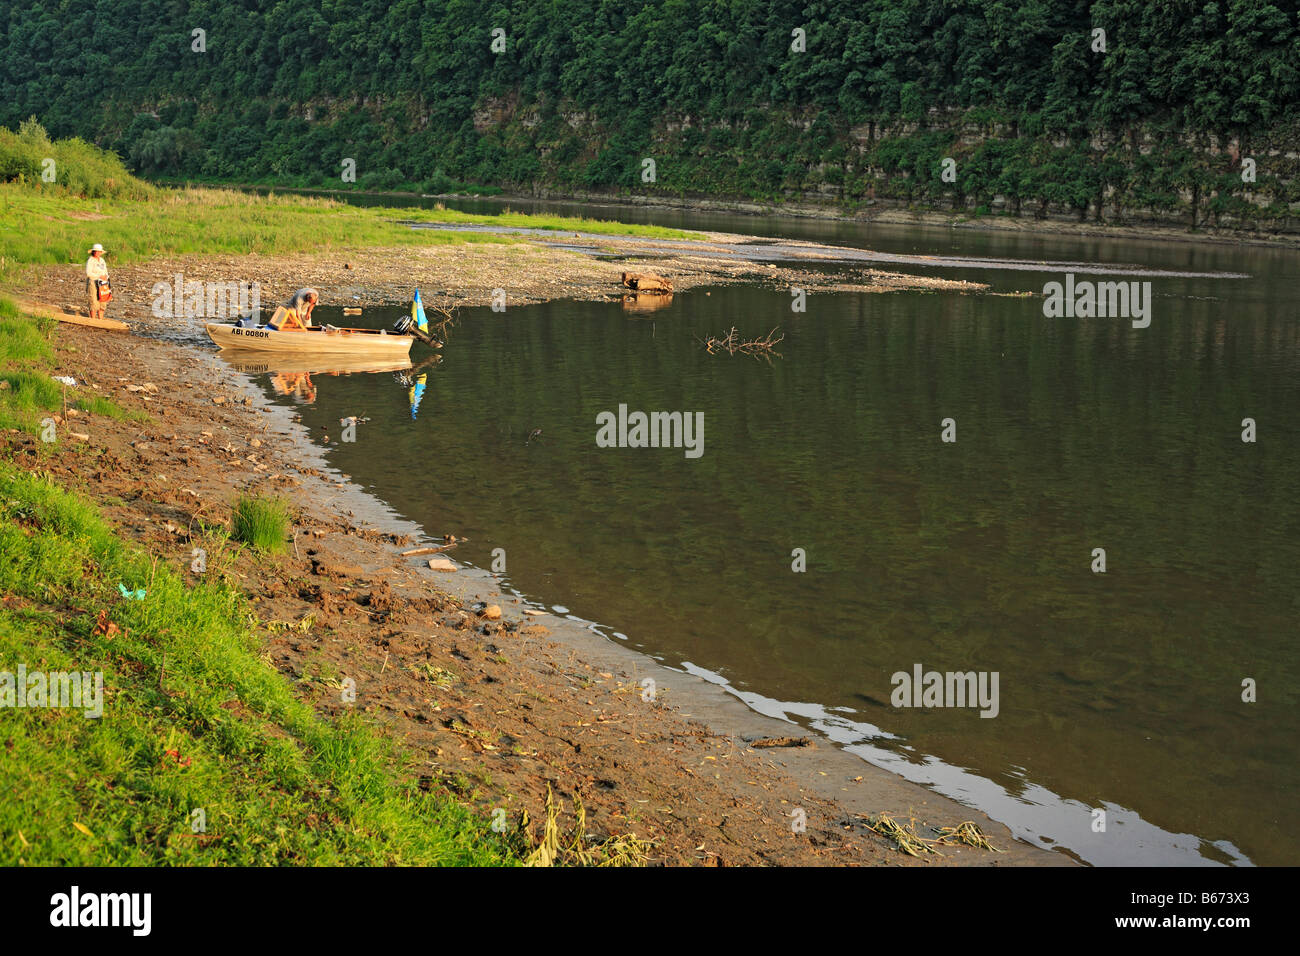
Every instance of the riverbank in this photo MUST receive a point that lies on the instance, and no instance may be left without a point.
(494, 712)
(535, 268)
(368, 256)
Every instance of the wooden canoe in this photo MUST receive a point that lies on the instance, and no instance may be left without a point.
(72, 318)
(356, 343)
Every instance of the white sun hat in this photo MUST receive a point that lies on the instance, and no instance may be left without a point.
(97, 248)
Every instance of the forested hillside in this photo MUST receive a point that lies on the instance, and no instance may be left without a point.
(843, 99)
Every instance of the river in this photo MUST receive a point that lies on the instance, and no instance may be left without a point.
(1120, 733)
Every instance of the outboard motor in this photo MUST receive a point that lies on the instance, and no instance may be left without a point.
(404, 326)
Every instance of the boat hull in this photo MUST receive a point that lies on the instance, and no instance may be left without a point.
(297, 363)
(356, 343)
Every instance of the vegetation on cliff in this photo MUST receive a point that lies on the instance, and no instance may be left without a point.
(848, 100)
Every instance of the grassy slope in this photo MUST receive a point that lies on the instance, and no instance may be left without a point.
(27, 393)
(44, 228)
(277, 784)
(95, 199)
(193, 719)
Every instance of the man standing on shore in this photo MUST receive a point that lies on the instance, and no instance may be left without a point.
(97, 272)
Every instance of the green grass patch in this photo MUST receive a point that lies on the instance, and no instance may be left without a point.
(96, 405)
(507, 218)
(203, 754)
(28, 395)
(260, 522)
(66, 166)
(95, 199)
(40, 228)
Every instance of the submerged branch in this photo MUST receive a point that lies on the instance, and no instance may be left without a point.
(733, 344)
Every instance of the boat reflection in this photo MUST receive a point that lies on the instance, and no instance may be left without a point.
(291, 374)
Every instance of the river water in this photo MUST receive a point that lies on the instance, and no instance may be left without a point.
(1120, 694)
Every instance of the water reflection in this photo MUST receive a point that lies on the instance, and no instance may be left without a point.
(642, 302)
(290, 375)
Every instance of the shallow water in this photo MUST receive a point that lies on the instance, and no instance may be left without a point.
(1118, 691)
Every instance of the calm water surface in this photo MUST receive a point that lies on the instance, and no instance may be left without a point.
(1118, 691)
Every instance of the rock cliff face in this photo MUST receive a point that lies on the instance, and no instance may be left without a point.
(956, 161)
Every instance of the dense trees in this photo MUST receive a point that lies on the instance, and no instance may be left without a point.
(581, 90)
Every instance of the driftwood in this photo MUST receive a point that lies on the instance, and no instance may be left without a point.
(733, 344)
(441, 320)
(642, 282)
(418, 551)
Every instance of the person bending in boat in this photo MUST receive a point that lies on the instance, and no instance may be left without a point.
(295, 313)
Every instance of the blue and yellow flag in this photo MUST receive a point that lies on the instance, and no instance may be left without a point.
(417, 313)
(416, 394)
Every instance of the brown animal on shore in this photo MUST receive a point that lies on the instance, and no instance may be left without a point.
(648, 282)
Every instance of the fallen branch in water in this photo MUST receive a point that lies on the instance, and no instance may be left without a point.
(414, 552)
(733, 344)
(443, 325)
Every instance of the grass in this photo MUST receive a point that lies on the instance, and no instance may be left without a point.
(43, 229)
(95, 199)
(907, 840)
(193, 720)
(262, 523)
(577, 848)
(69, 166)
(39, 228)
(28, 395)
(506, 218)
